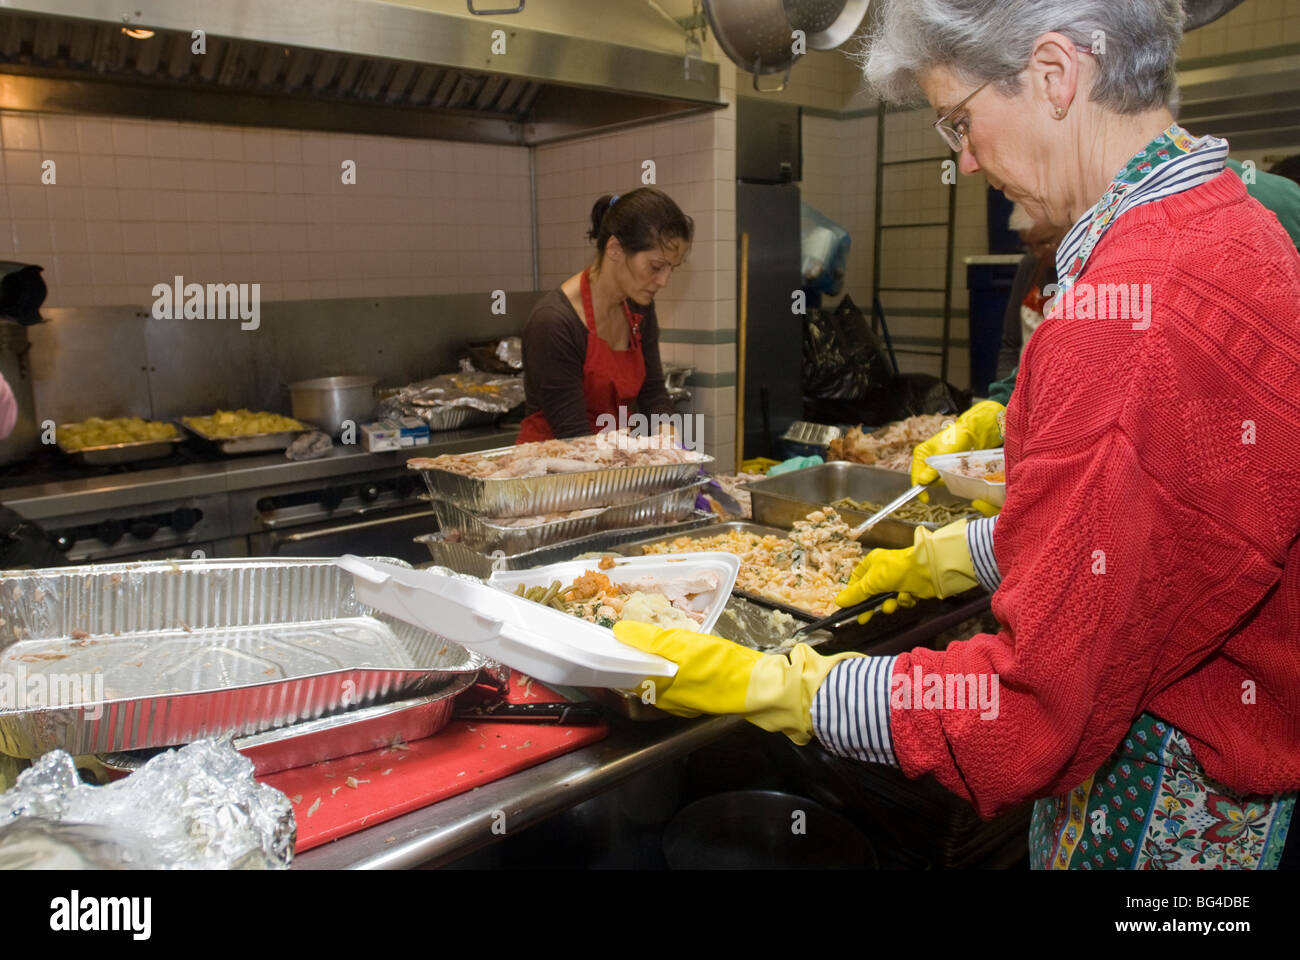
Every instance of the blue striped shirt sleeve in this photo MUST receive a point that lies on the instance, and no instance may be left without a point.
(850, 712)
(979, 540)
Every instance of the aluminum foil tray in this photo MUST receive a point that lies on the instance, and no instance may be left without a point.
(339, 735)
(114, 453)
(463, 559)
(481, 534)
(804, 438)
(127, 656)
(457, 418)
(556, 492)
(251, 442)
(632, 548)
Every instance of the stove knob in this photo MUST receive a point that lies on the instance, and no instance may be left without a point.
(109, 531)
(143, 529)
(331, 498)
(63, 541)
(370, 492)
(183, 518)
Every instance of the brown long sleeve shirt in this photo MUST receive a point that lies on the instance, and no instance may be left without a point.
(555, 351)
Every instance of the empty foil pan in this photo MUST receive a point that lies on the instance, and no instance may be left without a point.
(126, 656)
(339, 735)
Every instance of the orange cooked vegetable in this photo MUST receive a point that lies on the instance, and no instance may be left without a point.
(590, 584)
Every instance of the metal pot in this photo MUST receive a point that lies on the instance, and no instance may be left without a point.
(15, 367)
(757, 34)
(328, 401)
(828, 23)
(754, 34)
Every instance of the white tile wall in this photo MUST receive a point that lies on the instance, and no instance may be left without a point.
(135, 202)
(839, 179)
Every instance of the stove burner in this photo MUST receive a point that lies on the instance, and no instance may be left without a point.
(51, 466)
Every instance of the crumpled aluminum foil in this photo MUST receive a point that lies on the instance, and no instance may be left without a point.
(34, 843)
(197, 807)
(489, 392)
(309, 446)
(510, 351)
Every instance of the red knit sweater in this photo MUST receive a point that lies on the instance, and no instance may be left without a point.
(1135, 443)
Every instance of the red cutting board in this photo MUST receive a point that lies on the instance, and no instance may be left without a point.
(338, 797)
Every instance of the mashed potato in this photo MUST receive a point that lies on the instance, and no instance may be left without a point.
(657, 609)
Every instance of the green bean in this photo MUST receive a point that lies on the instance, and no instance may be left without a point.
(551, 591)
(519, 591)
(915, 512)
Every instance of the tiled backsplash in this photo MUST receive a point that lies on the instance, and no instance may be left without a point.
(137, 202)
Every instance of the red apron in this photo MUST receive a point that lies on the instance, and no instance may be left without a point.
(610, 378)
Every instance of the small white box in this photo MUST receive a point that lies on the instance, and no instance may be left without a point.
(380, 436)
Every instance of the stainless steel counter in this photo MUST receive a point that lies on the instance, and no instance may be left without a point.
(231, 475)
(446, 831)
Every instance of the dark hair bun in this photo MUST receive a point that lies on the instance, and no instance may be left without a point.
(597, 215)
(644, 219)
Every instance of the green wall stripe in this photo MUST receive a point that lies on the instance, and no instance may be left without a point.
(717, 335)
(710, 380)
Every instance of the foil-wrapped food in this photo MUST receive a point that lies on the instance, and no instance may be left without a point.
(193, 808)
(498, 355)
(611, 449)
(455, 399)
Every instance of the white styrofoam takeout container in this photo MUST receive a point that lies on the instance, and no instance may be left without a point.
(539, 641)
(726, 566)
(948, 466)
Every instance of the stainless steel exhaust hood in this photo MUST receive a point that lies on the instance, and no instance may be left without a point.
(354, 65)
(1252, 103)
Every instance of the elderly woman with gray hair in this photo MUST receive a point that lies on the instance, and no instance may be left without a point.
(1144, 684)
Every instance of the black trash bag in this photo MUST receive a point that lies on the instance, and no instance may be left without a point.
(908, 395)
(918, 393)
(843, 359)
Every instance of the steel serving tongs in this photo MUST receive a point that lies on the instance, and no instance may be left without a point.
(842, 615)
(903, 498)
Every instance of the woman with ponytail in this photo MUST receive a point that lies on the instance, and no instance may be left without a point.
(591, 346)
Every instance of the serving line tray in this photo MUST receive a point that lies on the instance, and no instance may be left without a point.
(483, 535)
(781, 500)
(127, 656)
(250, 442)
(464, 559)
(109, 454)
(555, 492)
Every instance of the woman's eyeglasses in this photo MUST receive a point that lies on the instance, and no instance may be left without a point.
(954, 133)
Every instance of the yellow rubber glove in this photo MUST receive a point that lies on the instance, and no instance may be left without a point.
(976, 429)
(937, 564)
(986, 508)
(717, 676)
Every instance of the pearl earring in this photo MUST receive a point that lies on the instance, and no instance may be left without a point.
(1059, 111)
